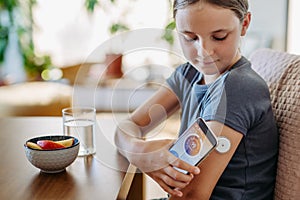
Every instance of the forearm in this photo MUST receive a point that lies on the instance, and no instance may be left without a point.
(128, 139)
(156, 110)
(130, 133)
(140, 152)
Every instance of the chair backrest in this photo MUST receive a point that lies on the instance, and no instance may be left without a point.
(281, 71)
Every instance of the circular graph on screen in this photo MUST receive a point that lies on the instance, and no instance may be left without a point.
(192, 145)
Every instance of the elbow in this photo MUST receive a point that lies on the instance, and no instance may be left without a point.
(127, 136)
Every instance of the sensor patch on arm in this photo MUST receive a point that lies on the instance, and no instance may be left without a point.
(223, 144)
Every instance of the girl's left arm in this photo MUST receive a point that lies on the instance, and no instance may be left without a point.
(212, 167)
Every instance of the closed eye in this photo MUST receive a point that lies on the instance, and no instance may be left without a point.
(190, 39)
(219, 38)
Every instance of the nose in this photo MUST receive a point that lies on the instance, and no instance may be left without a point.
(203, 48)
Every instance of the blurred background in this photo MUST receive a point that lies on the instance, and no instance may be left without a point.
(50, 41)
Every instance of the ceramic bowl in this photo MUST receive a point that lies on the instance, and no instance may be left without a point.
(55, 160)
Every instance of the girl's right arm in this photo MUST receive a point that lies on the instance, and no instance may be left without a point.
(153, 157)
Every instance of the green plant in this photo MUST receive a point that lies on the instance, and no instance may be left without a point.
(9, 5)
(168, 33)
(33, 64)
(90, 5)
(3, 41)
(5, 5)
(117, 27)
(114, 27)
(120, 26)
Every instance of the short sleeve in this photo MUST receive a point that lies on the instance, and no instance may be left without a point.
(174, 82)
(242, 102)
(182, 80)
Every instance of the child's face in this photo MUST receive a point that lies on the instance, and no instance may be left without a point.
(210, 36)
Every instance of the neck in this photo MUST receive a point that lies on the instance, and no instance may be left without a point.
(207, 79)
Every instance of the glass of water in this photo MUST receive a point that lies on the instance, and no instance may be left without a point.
(80, 123)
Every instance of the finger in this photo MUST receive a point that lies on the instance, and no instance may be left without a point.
(169, 190)
(185, 166)
(172, 182)
(177, 175)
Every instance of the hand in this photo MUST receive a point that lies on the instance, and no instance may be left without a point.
(157, 162)
(153, 158)
(171, 180)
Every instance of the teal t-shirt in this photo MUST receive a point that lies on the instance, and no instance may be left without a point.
(240, 99)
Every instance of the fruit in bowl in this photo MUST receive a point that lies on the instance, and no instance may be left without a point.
(52, 154)
(50, 144)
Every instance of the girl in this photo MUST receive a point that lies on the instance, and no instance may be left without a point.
(217, 84)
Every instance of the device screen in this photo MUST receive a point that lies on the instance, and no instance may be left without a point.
(194, 144)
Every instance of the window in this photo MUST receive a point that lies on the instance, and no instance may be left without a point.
(293, 45)
(69, 34)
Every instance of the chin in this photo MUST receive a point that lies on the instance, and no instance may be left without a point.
(207, 69)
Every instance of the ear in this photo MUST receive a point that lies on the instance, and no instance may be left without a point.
(245, 24)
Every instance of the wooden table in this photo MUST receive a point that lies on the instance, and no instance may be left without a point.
(95, 177)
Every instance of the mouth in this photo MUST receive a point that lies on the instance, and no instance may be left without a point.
(206, 62)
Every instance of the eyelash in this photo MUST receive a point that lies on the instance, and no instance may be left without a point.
(214, 38)
(219, 39)
(188, 39)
